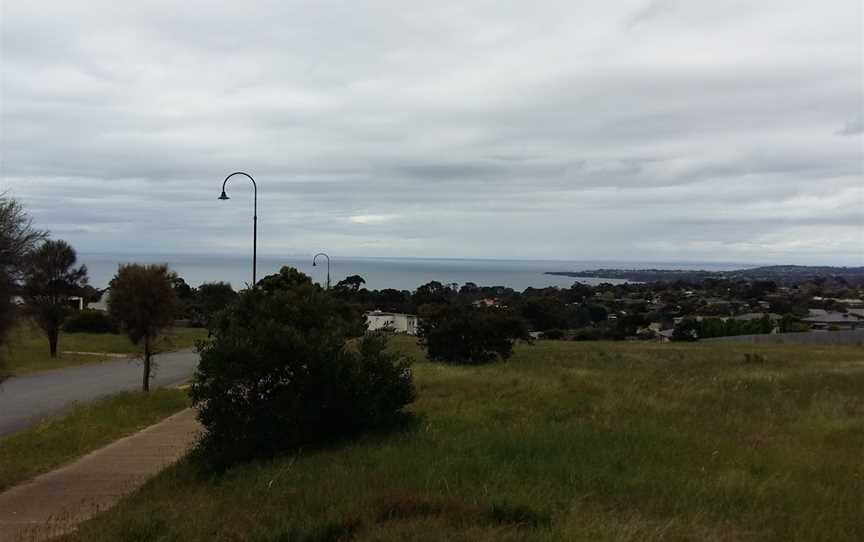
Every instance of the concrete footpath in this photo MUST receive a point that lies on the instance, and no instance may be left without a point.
(55, 502)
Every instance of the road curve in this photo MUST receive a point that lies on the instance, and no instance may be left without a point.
(24, 400)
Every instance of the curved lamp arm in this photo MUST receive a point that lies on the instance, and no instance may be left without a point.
(224, 196)
(314, 258)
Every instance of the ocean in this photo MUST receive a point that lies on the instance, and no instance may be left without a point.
(379, 273)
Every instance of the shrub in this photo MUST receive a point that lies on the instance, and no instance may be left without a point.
(588, 334)
(279, 373)
(89, 321)
(461, 333)
(554, 334)
(686, 331)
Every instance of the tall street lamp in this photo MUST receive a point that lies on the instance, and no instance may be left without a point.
(328, 266)
(224, 196)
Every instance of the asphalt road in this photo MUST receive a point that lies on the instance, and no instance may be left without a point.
(25, 400)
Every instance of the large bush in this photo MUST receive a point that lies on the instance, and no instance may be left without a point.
(280, 373)
(461, 333)
(89, 321)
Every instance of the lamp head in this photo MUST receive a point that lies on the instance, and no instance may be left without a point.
(224, 196)
(313, 263)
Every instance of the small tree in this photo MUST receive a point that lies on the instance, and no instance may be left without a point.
(353, 283)
(462, 333)
(143, 302)
(51, 279)
(17, 239)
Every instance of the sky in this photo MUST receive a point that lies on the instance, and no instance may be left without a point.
(643, 130)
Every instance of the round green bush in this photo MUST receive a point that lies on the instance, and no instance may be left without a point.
(458, 332)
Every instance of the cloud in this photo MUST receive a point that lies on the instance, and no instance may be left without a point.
(852, 127)
(371, 219)
(390, 129)
(651, 10)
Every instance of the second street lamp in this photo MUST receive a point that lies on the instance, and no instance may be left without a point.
(328, 267)
(224, 196)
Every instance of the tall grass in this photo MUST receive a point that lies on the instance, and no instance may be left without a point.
(566, 441)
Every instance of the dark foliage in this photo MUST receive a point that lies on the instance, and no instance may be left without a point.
(280, 373)
(554, 334)
(432, 293)
(51, 278)
(8, 315)
(89, 321)
(686, 330)
(17, 239)
(286, 279)
(353, 282)
(144, 301)
(716, 327)
(461, 333)
(184, 307)
(211, 298)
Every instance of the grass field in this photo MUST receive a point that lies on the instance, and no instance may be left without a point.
(84, 428)
(27, 349)
(566, 441)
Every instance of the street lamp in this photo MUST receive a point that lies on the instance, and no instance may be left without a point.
(224, 196)
(328, 266)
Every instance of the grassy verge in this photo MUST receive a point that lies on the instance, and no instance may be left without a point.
(27, 351)
(567, 441)
(84, 428)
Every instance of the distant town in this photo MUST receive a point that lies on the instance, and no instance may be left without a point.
(670, 305)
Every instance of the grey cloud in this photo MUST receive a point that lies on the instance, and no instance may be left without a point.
(852, 127)
(651, 10)
(511, 132)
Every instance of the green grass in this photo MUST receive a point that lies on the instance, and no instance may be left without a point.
(566, 441)
(27, 349)
(84, 428)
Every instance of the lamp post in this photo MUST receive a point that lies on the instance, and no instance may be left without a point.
(328, 266)
(224, 196)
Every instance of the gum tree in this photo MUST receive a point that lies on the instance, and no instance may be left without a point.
(143, 301)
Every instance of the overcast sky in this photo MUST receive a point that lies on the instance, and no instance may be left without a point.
(630, 130)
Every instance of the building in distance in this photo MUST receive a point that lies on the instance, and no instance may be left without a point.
(392, 321)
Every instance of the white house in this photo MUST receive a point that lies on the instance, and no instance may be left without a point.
(394, 321)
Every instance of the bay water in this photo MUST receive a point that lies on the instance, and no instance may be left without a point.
(379, 273)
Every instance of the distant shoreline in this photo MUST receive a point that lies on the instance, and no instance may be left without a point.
(782, 274)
